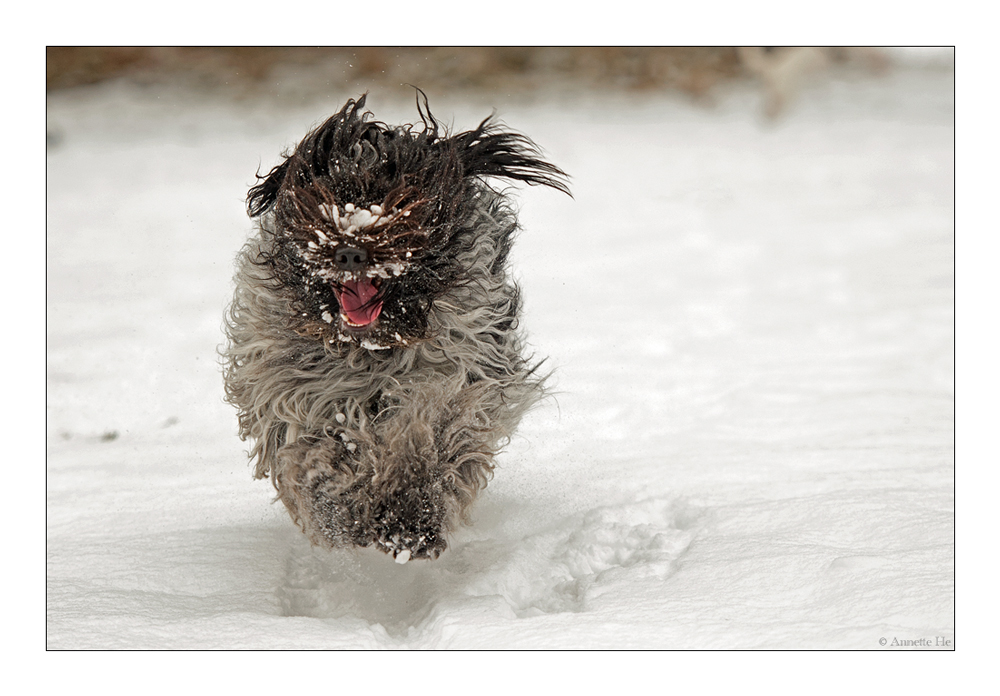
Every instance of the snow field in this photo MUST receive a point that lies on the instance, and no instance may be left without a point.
(751, 443)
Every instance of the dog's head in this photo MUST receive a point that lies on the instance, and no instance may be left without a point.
(368, 220)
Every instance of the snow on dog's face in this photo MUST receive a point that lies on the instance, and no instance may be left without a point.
(368, 220)
(356, 269)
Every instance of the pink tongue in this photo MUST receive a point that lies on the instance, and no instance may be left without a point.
(356, 301)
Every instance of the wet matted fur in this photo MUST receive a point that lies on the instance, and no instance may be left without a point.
(374, 353)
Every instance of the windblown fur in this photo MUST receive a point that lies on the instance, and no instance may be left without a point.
(374, 352)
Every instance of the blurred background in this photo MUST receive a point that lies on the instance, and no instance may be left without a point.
(244, 69)
(249, 71)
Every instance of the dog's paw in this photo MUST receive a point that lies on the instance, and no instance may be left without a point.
(411, 526)
(408, 547)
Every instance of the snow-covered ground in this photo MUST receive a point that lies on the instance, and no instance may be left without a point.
(751, 325)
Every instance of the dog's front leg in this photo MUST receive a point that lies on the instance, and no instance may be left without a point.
(434, 457)
(347, 489)
(325, 482)
(413, 503)
(403, 488)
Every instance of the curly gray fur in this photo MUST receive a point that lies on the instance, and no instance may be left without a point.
(375, 442)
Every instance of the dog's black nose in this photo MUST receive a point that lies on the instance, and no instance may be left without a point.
(351, 259)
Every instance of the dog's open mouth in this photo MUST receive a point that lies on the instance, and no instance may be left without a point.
(359, 302)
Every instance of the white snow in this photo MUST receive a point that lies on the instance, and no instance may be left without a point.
(751, 443)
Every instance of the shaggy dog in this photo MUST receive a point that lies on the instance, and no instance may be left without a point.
(374, 352)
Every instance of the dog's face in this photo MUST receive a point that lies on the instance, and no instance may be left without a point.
(369, 221)
(360, 272)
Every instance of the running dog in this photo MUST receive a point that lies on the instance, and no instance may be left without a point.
(374, 351)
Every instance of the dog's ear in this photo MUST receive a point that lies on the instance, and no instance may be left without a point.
(489, 151)
(261, 197)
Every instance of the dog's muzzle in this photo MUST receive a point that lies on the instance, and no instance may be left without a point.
(358, 298)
